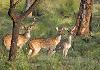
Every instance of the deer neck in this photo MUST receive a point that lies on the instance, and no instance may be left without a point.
(70, 39)
(58, 38)
(27, 35)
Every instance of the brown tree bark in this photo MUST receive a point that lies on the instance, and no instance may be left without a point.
(82, 26)
(15, 33)
(16, 24)
(28, 4)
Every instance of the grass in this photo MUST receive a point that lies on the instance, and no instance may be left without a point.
(83, 55)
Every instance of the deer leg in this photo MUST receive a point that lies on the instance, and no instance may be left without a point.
(51, 51)
(65, 51)
(35, 52)
(30, 52)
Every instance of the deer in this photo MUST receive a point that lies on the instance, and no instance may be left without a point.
(65, 45)
(35, 45)
(22, 38)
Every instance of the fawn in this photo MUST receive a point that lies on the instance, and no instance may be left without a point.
(65, 45)
(22, 38)
(35, 45)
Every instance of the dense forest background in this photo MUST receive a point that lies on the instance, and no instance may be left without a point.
(83, 55)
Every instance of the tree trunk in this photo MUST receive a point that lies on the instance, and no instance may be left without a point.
(82, 26)
(15, 33)
(16, 25)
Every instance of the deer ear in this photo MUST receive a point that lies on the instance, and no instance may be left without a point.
(57, 28)
(23, 27)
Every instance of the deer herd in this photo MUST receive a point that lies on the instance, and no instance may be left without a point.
(36, 44)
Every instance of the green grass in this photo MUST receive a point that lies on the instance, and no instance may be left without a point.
(83, 55)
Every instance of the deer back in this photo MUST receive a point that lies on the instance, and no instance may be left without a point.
(48, 42)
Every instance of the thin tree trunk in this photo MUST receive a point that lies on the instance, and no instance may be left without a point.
(15, 33)
(16, 25)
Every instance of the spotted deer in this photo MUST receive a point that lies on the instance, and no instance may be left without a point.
(65, 45)
(22, 38)
(35, 45)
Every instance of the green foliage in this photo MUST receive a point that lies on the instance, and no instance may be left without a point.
(21, 62)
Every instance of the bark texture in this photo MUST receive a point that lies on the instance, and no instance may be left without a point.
(82, 26)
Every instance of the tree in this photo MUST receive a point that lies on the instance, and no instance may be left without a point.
(17, 18)
(82, 26)
(28, 4)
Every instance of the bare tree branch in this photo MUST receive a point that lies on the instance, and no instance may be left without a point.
(17, 2)
(16, 17)
(26, 13)
(10, 12)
